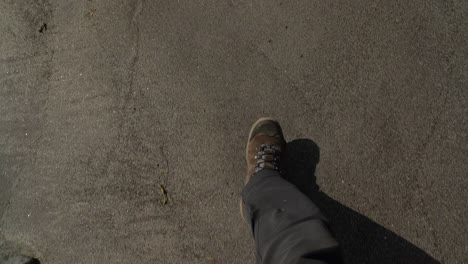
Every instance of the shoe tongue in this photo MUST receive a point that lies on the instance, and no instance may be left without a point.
(267, 157)
(267, 165)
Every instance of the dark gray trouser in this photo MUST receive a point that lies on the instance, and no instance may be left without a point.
(287, 226)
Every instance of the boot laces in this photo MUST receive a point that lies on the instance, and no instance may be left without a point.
(268, 157)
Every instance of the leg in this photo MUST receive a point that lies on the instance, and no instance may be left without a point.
(288, 228)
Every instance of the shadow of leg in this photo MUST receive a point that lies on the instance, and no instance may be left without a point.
(362, 240)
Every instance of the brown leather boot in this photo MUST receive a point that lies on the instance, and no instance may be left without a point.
(265, 149)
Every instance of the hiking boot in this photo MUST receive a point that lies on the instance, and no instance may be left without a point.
(265, 147)
(265, 150)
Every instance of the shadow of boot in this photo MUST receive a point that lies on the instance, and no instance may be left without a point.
(361, 239)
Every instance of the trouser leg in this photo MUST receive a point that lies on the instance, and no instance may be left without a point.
(287, 226)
